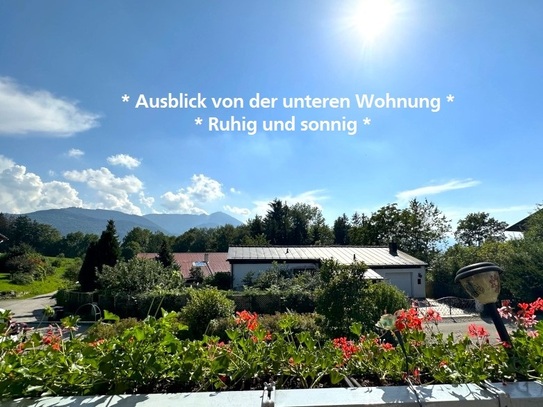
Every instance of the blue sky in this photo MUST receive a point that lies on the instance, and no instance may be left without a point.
(68, 139)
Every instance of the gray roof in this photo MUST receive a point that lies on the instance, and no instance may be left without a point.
(522, 225)
(371, 256)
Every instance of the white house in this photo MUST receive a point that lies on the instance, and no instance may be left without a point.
(388, 263)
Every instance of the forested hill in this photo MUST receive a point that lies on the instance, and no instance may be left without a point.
(70, 220)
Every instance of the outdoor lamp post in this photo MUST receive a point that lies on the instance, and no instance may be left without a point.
(482, 282)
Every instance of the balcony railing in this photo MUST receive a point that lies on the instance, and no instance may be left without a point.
(520, 394)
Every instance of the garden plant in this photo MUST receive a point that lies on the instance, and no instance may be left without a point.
(156, 356)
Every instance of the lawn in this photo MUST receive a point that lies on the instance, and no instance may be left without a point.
(48, 285)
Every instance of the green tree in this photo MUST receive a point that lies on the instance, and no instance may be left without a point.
(131, 250)
(223, 237)
(193, 240)
(477, 228)
(534, 225)
(341, 230)
(419, 229)
(425, 229)
(155, 240)
(106, 251)
(256, 226)
(522, 261)
(277, 223)
(380, 228)
(21, 229)
(299, 218)
(75, 244)
(319, 232)
(165, 256)
(140, 236)
(196, 274)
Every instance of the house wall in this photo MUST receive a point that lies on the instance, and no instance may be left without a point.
(239, 271)
(410, 280)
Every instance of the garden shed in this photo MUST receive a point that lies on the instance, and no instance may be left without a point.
(384, 263)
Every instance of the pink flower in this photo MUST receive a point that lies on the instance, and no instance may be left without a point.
(387, 346)
(477, 331)
(432, 316)
(533, 334)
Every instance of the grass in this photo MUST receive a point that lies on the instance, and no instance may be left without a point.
(49, 284)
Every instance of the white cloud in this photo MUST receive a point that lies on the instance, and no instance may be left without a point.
(203, 189)
(23, 111)
(75, 153)
(148, 201)
(180, 202)
(236, 210)
(113, 191)
(23, 192)
(5, 163)
(234, 191)
(436, 189)
(313, 198)
(124, 160)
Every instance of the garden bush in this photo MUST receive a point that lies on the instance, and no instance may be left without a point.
(387, 298)
(223, 281)
(342, 300)
(150, 303)
(22, 278)
(137, 276)
(203, 306)
(105, 330)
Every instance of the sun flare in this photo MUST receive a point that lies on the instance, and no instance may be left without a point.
(373, 18)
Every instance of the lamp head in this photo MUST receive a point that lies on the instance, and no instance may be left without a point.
(481, 281)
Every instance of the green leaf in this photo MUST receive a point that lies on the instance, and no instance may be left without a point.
(110, 316)
(336, 377)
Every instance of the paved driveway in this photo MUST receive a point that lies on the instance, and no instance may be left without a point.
(29, 310)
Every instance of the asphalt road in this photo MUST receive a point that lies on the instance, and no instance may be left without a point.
(459, 327)
(28, 310)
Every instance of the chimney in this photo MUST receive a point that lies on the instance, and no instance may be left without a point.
(206, 257)
(393, 248)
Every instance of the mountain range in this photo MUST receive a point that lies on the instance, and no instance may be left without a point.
(69, 220)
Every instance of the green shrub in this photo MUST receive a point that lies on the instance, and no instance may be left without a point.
(223, 281)
(295, 323)
(152, 302)
(103, 330)
(137, 276)
(71, 272)
(203, 306)
(22, 278)
(342, 299)
(387, 299)
(56, 263)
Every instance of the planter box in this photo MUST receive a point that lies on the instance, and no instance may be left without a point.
(521, 394)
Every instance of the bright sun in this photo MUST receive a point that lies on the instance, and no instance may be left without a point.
(372, 18)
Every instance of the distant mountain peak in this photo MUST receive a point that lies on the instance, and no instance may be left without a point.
(73, 219)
